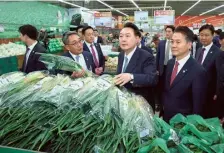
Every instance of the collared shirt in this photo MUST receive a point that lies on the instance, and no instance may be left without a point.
(222, 48)
(81, 61)
(129, 56)
(182, 62)
(140, 45)
(194, 48)
(170, 51)
(95, 39)
(30, 50)
(207, 48)
(88, 45)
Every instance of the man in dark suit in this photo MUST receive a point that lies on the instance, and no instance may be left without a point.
(164, 53)
(28, 34)
(97, 39)
(206, 56)
(220, 85)
(79, 32)
(136, 67)
(94, 49)
(185, 82)
(73, 44)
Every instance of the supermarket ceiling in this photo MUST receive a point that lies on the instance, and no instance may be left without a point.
(129, 6)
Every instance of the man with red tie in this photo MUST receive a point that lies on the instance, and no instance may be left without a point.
(94, 49)
(207, 56)
(185, 79)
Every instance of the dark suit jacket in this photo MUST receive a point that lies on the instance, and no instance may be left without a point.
(160, 56)
(142, 66)
(220, 84)
(210, 67)
(33, 63)
(99, 40)
(88, 59)
(187, 93)
(99, 51)
(148, 49)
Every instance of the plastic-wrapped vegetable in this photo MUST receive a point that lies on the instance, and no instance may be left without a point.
(157, 146)
(178, 122)
(10, 78)
(191, 144)
(218, 148)
(56, 62)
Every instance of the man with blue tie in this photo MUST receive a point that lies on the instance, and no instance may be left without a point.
(207, 56)
(136, 67)
(185, 80)
(94, 49)
(73, 44)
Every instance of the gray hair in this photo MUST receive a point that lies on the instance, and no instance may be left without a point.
(66, 35)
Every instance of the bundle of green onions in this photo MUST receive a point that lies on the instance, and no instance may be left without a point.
(56, 62)
(50, 113)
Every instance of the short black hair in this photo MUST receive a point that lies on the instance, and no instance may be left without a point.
(218, 31)
(188, 33)
(140, 30)
(195, 37)
(79, 27)
(132, 26)
(221, 36)
(209, 27)
(86, 28)
(95, 30)
(171, 27)
(29, 30)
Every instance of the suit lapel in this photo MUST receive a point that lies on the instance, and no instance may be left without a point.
(208, 57)
(198, 52)
(86, 48)
(183, 72)
(69, 55)
(97, 49)
(120, 62)
(133, 61)
(32, 53)
(86, 60)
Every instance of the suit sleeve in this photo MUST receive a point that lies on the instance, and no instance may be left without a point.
(92, 63)
(157, 57)
(102, 57)
(199, 88)
(39, 65)
(148, 77)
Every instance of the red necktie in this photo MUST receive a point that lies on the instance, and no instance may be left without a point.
(94, 56)
(174, 73)
(201, 56)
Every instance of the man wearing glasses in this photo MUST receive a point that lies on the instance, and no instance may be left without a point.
(74, 45)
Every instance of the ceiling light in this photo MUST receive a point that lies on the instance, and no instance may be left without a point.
(72, 4)
(212, 10)
(135, 5)
(191, 7)
(165, 5)
(111, 7)
(121, 12)
(221, 13)
(105, 4)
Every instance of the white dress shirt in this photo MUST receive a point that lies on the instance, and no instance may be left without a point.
(95, 39)
(30, 50)
(182, 62)
(81, 61)
(194, 45)
(207, 48)
(88, 45)
(170, 51)
(129, 56)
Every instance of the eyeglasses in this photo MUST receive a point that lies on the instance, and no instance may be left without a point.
(76, 43)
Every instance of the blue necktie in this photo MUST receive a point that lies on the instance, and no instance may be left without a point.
(125, 64)
(77, 58)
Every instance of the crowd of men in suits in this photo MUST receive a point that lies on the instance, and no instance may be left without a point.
(186, 84)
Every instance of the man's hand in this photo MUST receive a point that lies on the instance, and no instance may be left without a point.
(99, 71)
(215, 97)
(78, 74)
(122, 79)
